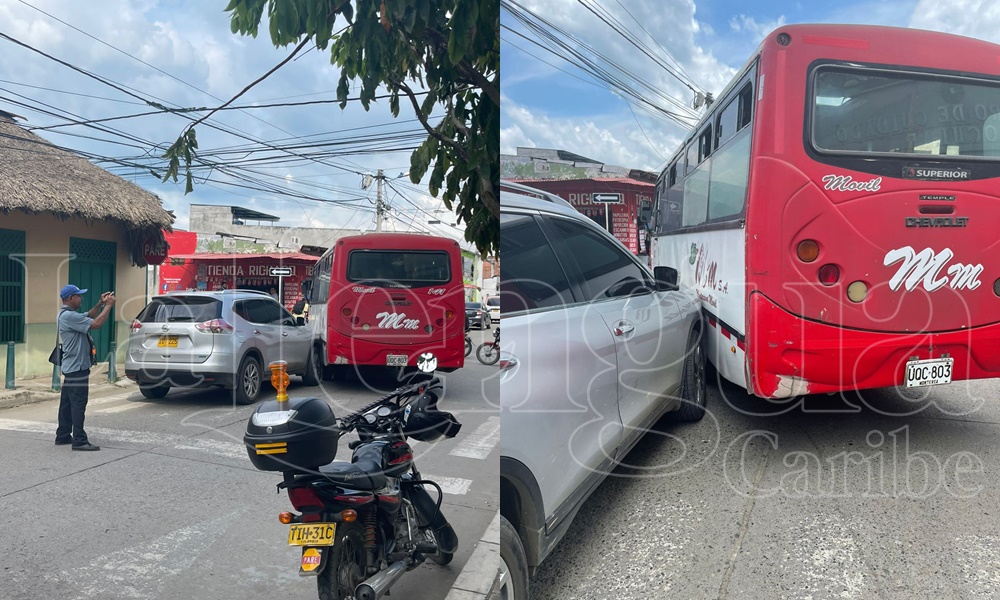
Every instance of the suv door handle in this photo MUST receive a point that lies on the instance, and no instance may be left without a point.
(624, 328)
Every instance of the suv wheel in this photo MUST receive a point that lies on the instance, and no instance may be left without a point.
(154, 390)
(248, 380)
(693, 383)
(314, 368)
(513, 579)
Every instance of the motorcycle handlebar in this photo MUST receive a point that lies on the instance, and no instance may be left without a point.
(347, 423)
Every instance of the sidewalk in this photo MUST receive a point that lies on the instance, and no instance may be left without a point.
(478, 578)
(39, 389)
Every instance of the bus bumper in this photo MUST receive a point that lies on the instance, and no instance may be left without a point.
(790, 356)
(449, 359)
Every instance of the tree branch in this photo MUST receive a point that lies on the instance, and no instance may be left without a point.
(259, 79)
(423, 121)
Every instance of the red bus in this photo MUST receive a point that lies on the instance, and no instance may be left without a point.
(835, 210)
(386, 298)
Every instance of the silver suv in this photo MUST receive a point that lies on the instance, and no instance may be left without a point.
(596, 350)
(226, 338)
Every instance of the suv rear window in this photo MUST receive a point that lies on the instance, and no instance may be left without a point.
(494, 301)
(190, 309)
(401, 268)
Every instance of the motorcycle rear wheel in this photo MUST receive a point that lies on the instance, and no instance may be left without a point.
(488, 353)
(468, 345)
(345, 566)
(441, 558)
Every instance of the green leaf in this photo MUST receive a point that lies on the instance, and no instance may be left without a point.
(190, 184)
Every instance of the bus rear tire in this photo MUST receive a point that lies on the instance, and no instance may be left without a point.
(314, 369)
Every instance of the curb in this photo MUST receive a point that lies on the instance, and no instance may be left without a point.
(477, 579)
(39, 389)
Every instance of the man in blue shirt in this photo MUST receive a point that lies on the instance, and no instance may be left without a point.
(74, 333)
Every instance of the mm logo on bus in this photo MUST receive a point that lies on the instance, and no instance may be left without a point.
(925, 268)
(391, 320)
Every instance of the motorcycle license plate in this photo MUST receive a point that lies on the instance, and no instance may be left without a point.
(167, 341)
(935, 371)
(312, 534)
(395, 360)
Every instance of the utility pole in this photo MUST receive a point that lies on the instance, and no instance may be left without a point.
(379, 207)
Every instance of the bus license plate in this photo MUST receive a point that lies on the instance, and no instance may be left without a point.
(934, 371)
(313, 534)
(167, 341)
(395, 360)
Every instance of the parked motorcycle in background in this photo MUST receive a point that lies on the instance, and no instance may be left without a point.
(488, 353)
(361, 524)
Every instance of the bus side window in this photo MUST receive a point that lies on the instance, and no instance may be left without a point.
(731, 168)
(691, 154)
(746, 106)
(728, 119)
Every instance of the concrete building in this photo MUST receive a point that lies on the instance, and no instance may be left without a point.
(245, 224)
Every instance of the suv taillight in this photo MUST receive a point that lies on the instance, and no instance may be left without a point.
(214, 326)
(136, 325)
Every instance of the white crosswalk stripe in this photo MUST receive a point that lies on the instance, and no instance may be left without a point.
(118, 409)
(480, 442)
(454, 486)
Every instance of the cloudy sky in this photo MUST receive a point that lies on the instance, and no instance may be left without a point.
(181, 53)
(547, 103)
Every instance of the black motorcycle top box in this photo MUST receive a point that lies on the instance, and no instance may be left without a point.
(301, 438)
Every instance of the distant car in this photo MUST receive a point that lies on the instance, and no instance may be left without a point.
(226, 338)
(477, 314)
(596, 350)
(493, 304)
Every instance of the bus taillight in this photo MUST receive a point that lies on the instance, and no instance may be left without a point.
(829, 274)
(449, 314)
(857, 291)
(807, 250)
(346, 312)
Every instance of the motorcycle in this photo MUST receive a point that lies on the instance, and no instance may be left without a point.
(361, 524)
(488, 353)
(468, 344)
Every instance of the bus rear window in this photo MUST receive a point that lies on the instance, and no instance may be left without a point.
(882, 112)
(394, 268)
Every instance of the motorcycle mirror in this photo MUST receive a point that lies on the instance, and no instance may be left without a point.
(427, 362)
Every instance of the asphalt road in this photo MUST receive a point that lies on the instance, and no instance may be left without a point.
(886, 494)
(172, 508)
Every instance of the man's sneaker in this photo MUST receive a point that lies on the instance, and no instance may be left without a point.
(88, 446)
(63, 442)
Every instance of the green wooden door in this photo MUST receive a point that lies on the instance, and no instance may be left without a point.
(11, 286)
(93, 269)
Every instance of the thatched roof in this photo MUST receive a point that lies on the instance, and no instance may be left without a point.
(38, 177)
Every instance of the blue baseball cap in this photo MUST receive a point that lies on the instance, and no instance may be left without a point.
(70, 290)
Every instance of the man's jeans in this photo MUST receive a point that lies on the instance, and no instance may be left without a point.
(72, 404)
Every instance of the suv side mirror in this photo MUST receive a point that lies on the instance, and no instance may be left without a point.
(666, 278)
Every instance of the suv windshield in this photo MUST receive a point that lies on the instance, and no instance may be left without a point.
(870, 111)
(189, 309)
